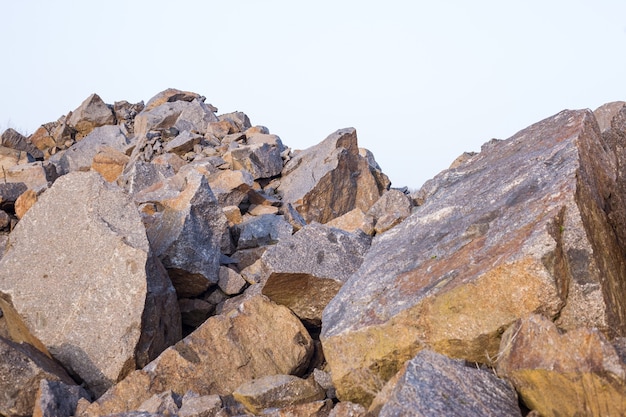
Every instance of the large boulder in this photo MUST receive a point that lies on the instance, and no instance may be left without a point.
(307, 269)
(519, 228)
(193, 116)
(80, 274)
(576, 373)
(259, 338)
(330, 179)
(435, 385)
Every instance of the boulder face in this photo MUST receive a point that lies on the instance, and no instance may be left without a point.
(430, 386)
(330, 179)
(91, 291)
(92, 113)
(516, 229)
(576, 373)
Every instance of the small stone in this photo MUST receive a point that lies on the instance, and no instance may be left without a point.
(230, 281)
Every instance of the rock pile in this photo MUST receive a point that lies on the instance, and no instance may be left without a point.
(164, 259)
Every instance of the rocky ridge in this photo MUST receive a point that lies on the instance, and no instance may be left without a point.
(165, 259)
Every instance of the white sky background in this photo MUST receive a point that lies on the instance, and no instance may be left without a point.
(421, 81)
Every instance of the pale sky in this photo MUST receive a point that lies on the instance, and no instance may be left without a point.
(421, 81)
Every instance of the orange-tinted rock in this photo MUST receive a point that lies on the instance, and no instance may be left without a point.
(92, 113)
(109, 163)
(24, 202)
(556, 374)
(519, 228)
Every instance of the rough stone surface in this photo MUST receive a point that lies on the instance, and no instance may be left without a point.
(330, 179)
(262, 230)
(319, 408)
(170, 95)
(22, 367)
(260, 160)
(15, 140)
(139, 175)
(519, 228)
(277, 391)
(24, 202)
(307, 269)
(257, 339)
(165, 403)
(92, 113)
(10, 157)
(109, 162)
(354, 220)
(348, 409)
(193, 116)
(37, 176)
(101, 303)
(185, 228)
(231, 187)
(79, 157)
(230, 281)
(57, 399)
(390, 209)
(430, 386)
(605, 114)
(195, 405)
(576, 373)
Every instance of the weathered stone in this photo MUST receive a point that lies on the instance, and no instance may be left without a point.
(182, 143)
(233, 214)
(125, 113)
(390, 209)
(330, 179)
(231, 187)
(24, 202)
(15, 140)
(256, 130)
(308, 268)
(185, 231)
(260, 160)
(22, 367)
(575, 373)
(92, 113)
(80, 156)
(139, 175)
(230, 281)
(102, 303)
(11, 157)
(225, 352)
(109, 162)
(348, 409)
(220, 129)
(193, 116)
(605, 114)
(354, 220)
(518, 229)
(261, 210)
(433, 384)
(319, 408)
(10, 192)
(277, 391)
(37, 176)
(262, 230)
(239, 119)
(246, 257)
(195, 405)
(169, 96)
(166, 403)
(57, 399)
(253, 138)
(42, 137)
(5, 220)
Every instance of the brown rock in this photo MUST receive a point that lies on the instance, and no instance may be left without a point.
(166, 403)
(102, 303)
(233, 214)
(230, 281)
(92, 113)
(42, 137)
(354, 220)
(225, 352)
(390, 209)
(22, 367)
(348, 409)
(261, 160)
(319, 408)
(10, 157)
(575, 373)
(307, 269)
(330, 179)
(169, 96)
(37, 176)
(231, 187)
(195, 405)
(277, 391)
(109, 163)
(24, 202)
(15, 140)
(519, 228)
(605, 114)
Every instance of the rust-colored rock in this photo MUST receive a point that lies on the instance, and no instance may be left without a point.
(259, 338)
(330, 179)
(109, 163)
(92, 113)
(519, 228)
(575, 373)
(24, 202)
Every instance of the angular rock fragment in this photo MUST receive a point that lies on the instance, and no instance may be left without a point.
(193, 116)
(166, 403)
(354, 220)
(37, 176)
(15, 140)
(185, 229)
(11, 157)
(257, 339)
(92, 113)
(348, 409)
(24, 202)
(231, 187)
(262, 230)
(170, 95)
(330, 179)
(320, 408)
(109, 162)
(230, 282)
(433, 384)
(260, 160)
(101, 303)
(307, 270)
(22, 367)
(519, 228)
(195, 405)
(575, 373)
(57, 399)
(277, 391)
(390, 209)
